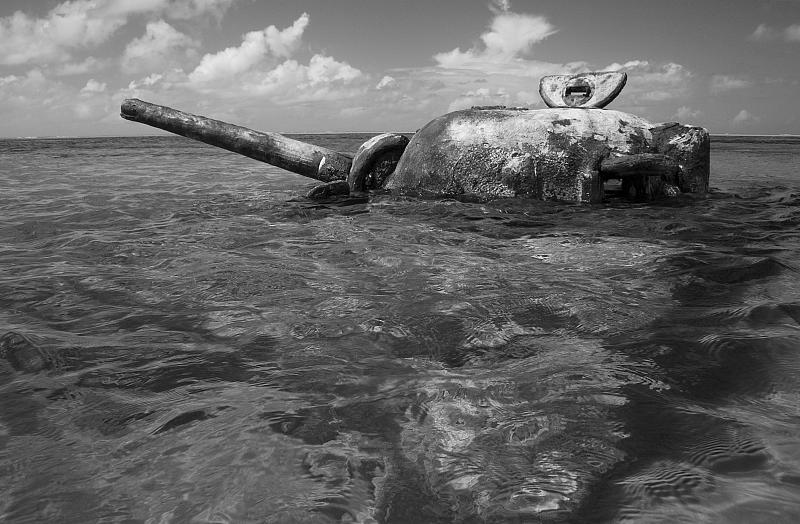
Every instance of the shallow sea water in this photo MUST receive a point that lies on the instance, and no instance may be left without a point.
(196, 342)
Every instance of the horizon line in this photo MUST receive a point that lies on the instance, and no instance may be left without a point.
(46, 137)
(166, 134)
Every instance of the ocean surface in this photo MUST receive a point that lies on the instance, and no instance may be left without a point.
(186, 338)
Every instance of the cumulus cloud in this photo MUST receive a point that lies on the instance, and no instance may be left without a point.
(88, 65)
(147, 81)
(744, 117)
(26, 94)
(254, 49)
(8, 80)
(160, 47)
(792, 33)
(20, 88)
(764, 33)
(669, 74)
(78, 24)
(262, 68)
(654, 82)
(510, 37)
(323, 69)
(172, 81)
(265, 70)
(386, 81)
(324, 78)
(93, 86)
(723, 83)
(500, 6)
(500, 70)
(189, 9)
(630, 64)
(67, 26)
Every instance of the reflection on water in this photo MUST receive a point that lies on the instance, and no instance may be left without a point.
(189, 340)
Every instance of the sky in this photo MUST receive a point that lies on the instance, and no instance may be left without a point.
(732, 66)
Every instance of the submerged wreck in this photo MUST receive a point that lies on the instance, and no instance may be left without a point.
(566, 152)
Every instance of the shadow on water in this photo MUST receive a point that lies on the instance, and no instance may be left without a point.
(198, 350)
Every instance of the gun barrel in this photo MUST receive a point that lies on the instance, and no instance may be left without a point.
(298, 157)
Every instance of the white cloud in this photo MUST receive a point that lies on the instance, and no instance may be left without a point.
(92, 107)
(386, 81)
(26, 94)
(79, 24)
(160, 47)
(8, 80)
(723, 83)
(147, 81)
(171, 82)
(764, 33)
(263, 69)
(792, 33)
(31, 83)
(284, 43)
(88, 65)
(189, 9)
(668, 74)
(82, 110)
(653, 82)
(500, 6)
(655, 95)
(630, 64)
(67, 26)
(324, 69)
(93, 86)
(255, 48)
(499, 70)
(510, 38)
(353, 112)
(40, 103)
(744, 117)
(152, 79)
(324, 78)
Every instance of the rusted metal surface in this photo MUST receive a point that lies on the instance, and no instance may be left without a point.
(644, 164)
(546, 154)
(690, 146)
(293, 155)
(585, 90)
(552, 154)
(375, 160)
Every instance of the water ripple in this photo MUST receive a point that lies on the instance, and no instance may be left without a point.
(183, 333)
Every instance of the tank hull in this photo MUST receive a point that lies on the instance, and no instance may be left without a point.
(549, 154)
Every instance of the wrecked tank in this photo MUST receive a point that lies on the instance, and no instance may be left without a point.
(569, 151)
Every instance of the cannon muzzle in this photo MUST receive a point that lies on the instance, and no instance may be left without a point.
(298, 157)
